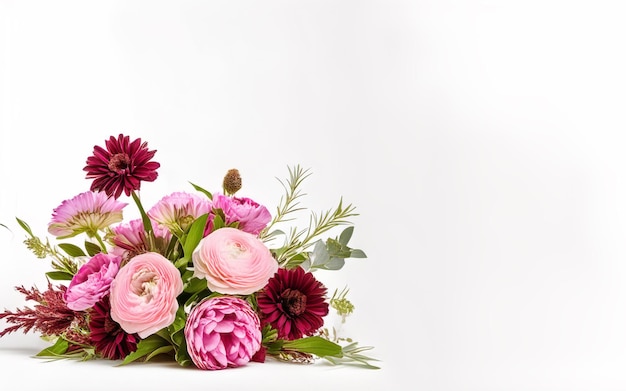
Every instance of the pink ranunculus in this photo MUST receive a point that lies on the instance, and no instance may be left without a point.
(143, 294)
(92, 282)
(233, 262)
(222, 332)
(252, 217)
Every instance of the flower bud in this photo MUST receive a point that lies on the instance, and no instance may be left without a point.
(232, 181)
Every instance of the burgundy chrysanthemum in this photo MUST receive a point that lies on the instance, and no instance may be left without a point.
(108, 338)
(293, 302)
(121, 167)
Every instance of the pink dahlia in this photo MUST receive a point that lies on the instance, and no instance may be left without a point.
(108, 338)
(88, 212)
(143, 294)
(178, 210)
(131, 239)
(233, 262)
(293, 302)
(251, 216)
(222, 332)
(92, 282)
(121, 167)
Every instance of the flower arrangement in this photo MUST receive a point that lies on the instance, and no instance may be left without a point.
(198, 278)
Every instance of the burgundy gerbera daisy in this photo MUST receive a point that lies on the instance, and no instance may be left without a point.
(108, 338)
(121, 167)
(293, 302)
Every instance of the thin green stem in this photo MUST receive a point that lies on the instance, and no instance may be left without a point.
(101, 242)
(147, 225)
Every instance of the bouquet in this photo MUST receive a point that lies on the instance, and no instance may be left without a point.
(202, 278)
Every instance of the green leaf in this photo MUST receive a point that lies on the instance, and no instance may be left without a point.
(218, 220)
(314, 345)
(24, 226)
(72, 250)
(182, 356)
(92, 248)
(206, 192)
(356, 253)
(161, 350)
(195, 285)
(177, 328)
(59, 276)
(195, 234)
(59, 348)
(346, 234)
(146, 347)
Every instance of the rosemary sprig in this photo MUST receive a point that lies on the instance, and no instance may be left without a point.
(299, 241)
(289, 202)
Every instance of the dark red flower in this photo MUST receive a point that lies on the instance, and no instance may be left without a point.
(108, 338)
(121, 167)
(293, 302)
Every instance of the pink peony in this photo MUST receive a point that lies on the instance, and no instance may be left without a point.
(222, 332)
(143, 295)
(251, 216)
(92, 282)
(233, 262)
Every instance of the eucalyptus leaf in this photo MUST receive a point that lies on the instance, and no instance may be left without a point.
(334, 264)
(346, 234)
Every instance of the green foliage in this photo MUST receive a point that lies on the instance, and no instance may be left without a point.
(200, 189)
(149, 348)
(331, 255)
(64, 264)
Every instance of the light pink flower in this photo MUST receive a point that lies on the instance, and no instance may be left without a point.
(178, 210)
(222, 332)
(143, 295)
(88, 212)
(233, 262)
(92, 282)
(251, 216)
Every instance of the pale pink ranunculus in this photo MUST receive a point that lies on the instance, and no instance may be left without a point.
(233, 262)
(251, 216)
(92, 282)
(222, 332)
(143, 294)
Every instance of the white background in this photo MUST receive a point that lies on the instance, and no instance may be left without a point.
(482, 143)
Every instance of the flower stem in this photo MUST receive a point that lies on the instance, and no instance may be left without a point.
(102, 245)
(147, 225)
